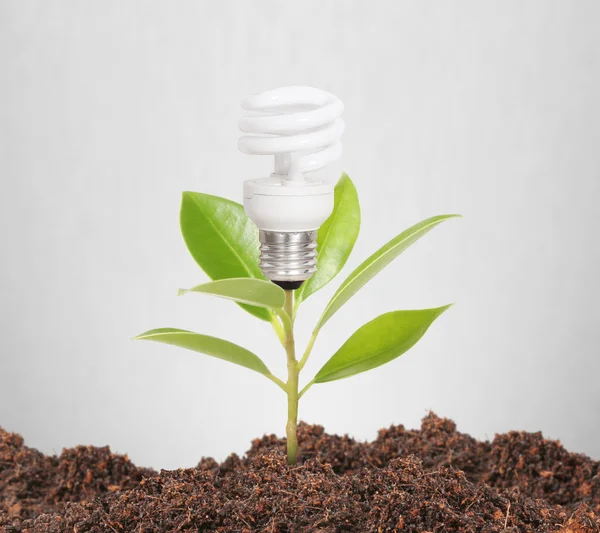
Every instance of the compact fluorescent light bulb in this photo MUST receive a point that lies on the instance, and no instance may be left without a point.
(302, 128)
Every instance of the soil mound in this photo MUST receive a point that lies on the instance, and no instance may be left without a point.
(32, 483)
(540, 468)
(432, 479)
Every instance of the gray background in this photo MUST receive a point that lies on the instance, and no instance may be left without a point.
(109, 109)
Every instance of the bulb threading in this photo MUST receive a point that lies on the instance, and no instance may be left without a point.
(288, 257)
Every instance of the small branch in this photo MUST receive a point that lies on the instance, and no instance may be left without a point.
(307, 386)
(277, 382)
(279, 329)
(286, 323)
(309, 347)
(506, 519)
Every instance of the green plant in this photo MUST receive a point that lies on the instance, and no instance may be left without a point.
(224, 243)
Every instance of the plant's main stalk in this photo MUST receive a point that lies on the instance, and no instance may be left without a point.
(292, 383)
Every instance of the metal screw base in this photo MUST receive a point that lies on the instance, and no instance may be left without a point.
(288, 258)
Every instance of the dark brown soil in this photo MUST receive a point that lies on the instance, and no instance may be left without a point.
(429, 480)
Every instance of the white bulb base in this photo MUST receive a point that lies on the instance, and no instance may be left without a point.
(288, 259)
(288, 219)
(273, 206)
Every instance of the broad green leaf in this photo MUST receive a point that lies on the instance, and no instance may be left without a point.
(222, 240)
(336, 238)
(207, 345)
(378, 342)
(375, 263)
(244, 290)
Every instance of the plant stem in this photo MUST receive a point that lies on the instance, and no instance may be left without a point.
(292, 383)
(288, 307)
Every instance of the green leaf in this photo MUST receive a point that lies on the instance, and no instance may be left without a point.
(207, 345)
(336, 238)
(222, 240)
(378, 342)
(375, 263)
(244, 290)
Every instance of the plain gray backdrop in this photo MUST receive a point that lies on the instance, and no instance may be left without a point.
(109, 109)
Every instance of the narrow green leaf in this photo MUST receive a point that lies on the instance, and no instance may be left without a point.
(378, 342)
(336, 238)
(244, 290)
(205, 344)
(222, 240)
(376, 262)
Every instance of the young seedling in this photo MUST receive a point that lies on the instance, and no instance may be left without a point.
(224, 242)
